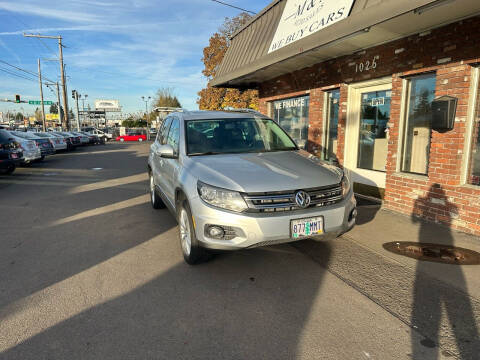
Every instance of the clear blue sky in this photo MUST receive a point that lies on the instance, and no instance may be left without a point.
(114, 49)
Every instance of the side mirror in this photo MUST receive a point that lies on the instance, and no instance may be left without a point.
(166, 151)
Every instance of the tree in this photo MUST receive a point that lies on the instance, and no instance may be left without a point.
(19, 116)
(53, 109)
(166, 98)
(212, 98)
(38, 115)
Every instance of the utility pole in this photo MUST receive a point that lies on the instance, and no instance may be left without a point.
(75, 95)
(41, 95)
(59, 109)
(146, 114)
(62, 73)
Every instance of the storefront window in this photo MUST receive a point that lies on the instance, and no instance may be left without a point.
(331, 126)
(416, 147)
(292, 115)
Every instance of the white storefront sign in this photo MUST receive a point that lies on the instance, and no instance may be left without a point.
(290, 103)
(107, 105)
(301, 18)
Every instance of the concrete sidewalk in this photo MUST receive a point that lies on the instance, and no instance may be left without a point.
(377, 226)
(439, 301)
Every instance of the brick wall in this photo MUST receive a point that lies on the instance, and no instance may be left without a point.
(450, 52)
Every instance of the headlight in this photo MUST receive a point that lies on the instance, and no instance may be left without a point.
(345, 185)
(225, 199)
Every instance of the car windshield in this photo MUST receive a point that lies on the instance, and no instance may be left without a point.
(222, 136)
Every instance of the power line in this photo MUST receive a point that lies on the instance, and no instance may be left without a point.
(15, 74)
(233, 6)
(24, 70)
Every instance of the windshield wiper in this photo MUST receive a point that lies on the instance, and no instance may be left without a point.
(205, 153)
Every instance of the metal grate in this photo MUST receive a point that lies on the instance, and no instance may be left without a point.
(285, 201)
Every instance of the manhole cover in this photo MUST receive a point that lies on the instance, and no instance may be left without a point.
(434, 252)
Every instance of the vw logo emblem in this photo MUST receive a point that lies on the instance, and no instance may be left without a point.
(302, 199)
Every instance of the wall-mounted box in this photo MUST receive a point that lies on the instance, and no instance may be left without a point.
(444, 109)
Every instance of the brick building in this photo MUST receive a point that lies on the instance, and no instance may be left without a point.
(359, 83)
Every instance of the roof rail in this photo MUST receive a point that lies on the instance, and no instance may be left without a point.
(242, 110)
(169, 109)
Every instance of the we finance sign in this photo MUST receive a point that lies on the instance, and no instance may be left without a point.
(301, 18)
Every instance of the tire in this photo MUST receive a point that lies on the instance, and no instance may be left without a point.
(122, 139)
(155, 200)
(193, 253)
(140, 140)
(10, 169)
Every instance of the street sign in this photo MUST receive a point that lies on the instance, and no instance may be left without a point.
(38, 102)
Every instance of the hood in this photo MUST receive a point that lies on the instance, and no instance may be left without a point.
(264, 172)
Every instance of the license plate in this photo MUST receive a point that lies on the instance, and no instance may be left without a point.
(14, 156)
(306, 227)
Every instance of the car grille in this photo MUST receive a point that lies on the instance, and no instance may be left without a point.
(285, 201)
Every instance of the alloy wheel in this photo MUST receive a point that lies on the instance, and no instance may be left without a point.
(185, 235)
(152, 188)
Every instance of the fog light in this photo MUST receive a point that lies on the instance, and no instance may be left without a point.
(215, 232)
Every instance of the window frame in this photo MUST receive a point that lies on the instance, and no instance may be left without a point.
(473, 111)
(326, 124)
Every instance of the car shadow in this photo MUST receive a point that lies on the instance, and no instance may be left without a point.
(246, 305)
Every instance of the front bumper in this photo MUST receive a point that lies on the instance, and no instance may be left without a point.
(261, 229)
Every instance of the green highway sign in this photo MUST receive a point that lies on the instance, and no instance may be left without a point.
(38, 102)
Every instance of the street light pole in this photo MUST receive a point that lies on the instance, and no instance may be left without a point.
(146, 100)
(41, 96)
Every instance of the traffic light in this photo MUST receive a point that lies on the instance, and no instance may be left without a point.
(17, 99)
(73, 94)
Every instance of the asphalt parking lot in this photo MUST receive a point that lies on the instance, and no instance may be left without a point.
(88, 270)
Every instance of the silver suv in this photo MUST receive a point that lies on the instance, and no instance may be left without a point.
(237, 180)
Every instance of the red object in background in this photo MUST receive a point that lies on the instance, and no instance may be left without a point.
(132, 137)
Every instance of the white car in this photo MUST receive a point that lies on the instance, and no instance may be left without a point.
(31, 151)
(99, 133)
(58, 142)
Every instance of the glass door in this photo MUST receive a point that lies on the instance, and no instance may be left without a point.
(372, 139)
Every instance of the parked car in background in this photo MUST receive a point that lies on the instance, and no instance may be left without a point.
(101, 134)
(134, 136)
(69, 139)
(74, 139)
(237, 180)
(30, 149)
(45, 145)
(11, 154)
(94, 139)
(84, 139)
(58, 142)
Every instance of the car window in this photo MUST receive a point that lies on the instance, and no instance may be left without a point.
(174, 135)
(4, 136)
(164, 130)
